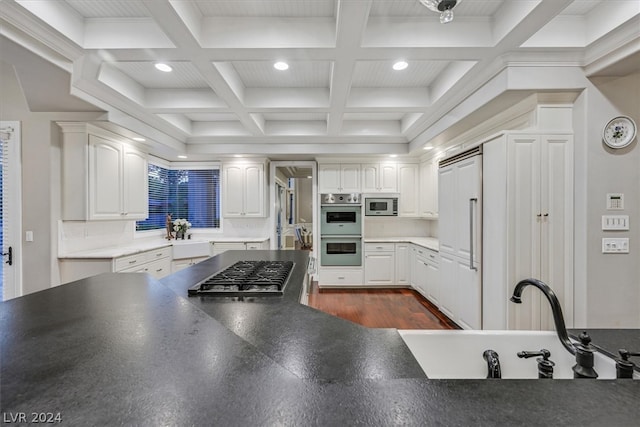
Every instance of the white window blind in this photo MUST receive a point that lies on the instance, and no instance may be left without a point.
(193, 194)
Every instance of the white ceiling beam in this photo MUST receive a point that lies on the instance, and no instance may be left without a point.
(351, 22)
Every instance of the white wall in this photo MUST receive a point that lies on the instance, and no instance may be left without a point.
(608, 286)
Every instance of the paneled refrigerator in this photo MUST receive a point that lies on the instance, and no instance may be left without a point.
(460, 236)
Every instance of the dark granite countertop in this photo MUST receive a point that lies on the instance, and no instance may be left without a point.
(125, 349)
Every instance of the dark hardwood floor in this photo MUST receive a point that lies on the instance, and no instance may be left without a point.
(380, 308)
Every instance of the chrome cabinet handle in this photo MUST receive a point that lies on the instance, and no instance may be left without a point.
(471, 201)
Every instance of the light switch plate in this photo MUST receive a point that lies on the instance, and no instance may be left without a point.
(618, 245)
(615, 222)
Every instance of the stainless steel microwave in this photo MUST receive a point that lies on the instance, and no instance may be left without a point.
(381, 206)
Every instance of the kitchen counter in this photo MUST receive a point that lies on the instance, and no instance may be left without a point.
(426, 242)
(125, 349)
(148, 244)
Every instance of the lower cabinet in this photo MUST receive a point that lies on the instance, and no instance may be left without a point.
(180, 264)
(461, 293)
(403, 264)
(379, 264)
(220, 247)
(340, 276)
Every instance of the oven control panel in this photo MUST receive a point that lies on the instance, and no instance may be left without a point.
(340, 199)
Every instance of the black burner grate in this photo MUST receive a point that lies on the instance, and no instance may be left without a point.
(246, 277)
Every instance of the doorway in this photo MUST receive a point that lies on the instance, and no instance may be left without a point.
(10, 210)
(293, 211)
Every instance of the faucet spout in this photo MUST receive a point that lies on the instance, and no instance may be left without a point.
(558, 318)
(493, 364)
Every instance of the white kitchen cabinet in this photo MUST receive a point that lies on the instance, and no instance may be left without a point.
(220, 247)
(428, 201)
(379, 264)
(460, 292)
(379, 178)
(339, 178)
(413, 264)
(528, 194)
(432, 274)
(408, 184)
(403, 264)
(339, 277)
(421, 275)
(103, 176)
(156, 262)
(243, 190)
(181, 264)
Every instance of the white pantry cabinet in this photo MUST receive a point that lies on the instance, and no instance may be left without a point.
(243, 190)
(103, 176)
(528, 195)
(339, 178)
(408, 186)
(379, 178)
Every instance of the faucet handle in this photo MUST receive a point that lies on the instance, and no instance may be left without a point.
(624, 367)
(584, 338)
(527, 354)
(545, 366)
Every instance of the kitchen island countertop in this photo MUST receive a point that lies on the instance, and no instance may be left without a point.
(125, 349)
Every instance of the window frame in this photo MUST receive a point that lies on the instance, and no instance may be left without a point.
(186, 166)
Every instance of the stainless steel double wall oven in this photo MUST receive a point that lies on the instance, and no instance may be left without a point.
(340, 230)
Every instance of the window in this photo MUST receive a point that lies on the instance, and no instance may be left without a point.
(193, 194)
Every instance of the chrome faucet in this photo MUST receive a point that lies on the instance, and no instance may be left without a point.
(583, 351)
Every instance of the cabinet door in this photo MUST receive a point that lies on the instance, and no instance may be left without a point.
(408, 189)
(388, 178)
(254, 190)
(448, 286)
(413, 266)
(433, 282)
(370, 178)
(105, 179)
(524, 201)
(421, 280)
(136, 194)
(350, 178)
(556, 241)
(379, 268)
(429, 188)
(403, 266)
(329, 178)
(233, 194)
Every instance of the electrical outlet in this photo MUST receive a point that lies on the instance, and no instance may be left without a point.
(615, 245)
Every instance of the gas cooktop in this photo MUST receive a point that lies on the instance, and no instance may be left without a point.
(246, 278)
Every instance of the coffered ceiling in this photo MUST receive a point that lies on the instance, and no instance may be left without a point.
(340, 94)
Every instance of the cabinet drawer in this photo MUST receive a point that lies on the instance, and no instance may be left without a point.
(379, 247)
(159, 268)
(158, 254)
(340, 277)
(130, 261)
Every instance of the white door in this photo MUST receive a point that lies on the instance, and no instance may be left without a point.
(467, 209)
(10, 214)
(233, 193)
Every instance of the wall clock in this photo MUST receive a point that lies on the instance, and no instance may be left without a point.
(619, 132)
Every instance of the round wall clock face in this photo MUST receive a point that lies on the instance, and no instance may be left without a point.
(619, 132)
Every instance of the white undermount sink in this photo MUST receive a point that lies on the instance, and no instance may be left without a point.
(458, 354)
(190, 248)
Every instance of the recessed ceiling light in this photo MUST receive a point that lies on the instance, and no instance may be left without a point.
(281, 66)
(309, 177)
(428, 147)
(393, 155)
(163, 67)
(182, 156)
(237, 155)
(137, 138)
(400, 65)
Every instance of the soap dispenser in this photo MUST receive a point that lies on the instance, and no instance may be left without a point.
(624, 367)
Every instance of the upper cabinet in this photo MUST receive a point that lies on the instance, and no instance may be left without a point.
(428, 202)
(243, 190)
(408, 187)
(103, 177)
(339, 178)
(379, 178)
